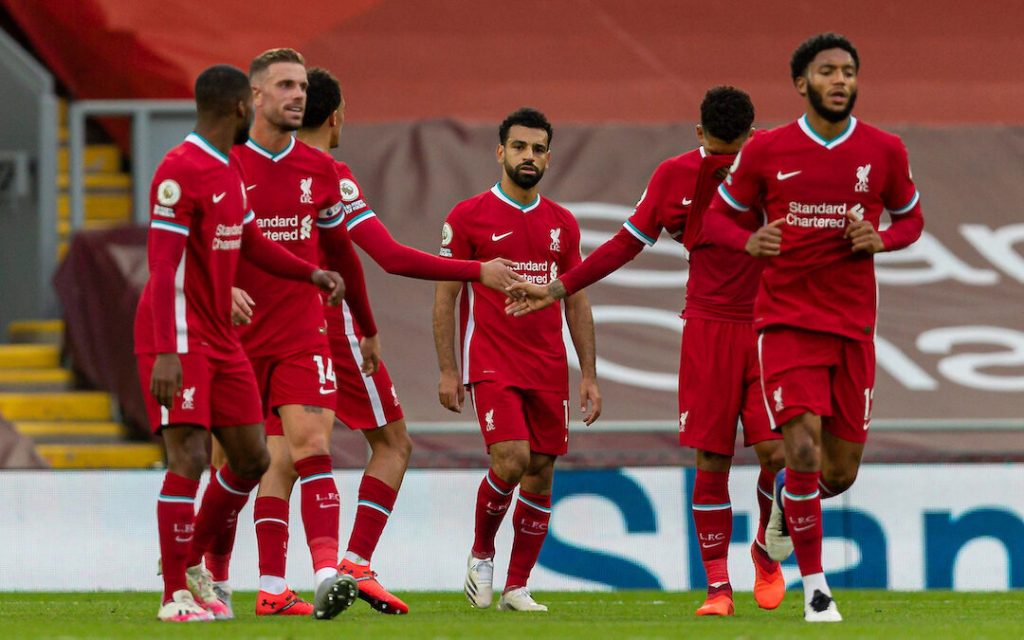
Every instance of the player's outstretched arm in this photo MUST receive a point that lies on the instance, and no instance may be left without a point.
(581, 327)
(527, 297)
(450, 392)
(272, 257)
(341, 256)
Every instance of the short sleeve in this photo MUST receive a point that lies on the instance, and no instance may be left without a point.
(646, 222)
(455, 240)
(900, 194)
(328, 203)
(571, 254)
(172, 200)
(744, 184)
(355, 208)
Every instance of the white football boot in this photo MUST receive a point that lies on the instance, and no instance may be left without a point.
(479, 579)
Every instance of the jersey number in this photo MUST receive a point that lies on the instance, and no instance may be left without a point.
(325, 370)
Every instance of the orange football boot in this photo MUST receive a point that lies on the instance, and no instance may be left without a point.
(282, 604)
(372, 591)
(769, 584)
(719, 604)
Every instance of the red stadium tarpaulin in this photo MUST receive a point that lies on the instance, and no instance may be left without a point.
(924, 62)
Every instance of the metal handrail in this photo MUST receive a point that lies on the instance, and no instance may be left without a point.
(140, 112)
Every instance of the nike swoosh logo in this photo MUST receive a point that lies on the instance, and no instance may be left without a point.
(495, 237)
(324, 392)
(250, 187)
(708, 546)
(180, 539)
(533, 533)
(687, 202)
(786, 176)
(799, 529)
(329, 505)
(218, 197)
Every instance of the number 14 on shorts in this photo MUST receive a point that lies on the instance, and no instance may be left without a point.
(325, 369)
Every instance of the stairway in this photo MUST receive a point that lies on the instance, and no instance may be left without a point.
(108, 199)
(71, 429)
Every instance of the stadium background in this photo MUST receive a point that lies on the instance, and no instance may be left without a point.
(426, 84)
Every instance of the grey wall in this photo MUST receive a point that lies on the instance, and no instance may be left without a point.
(28, 226)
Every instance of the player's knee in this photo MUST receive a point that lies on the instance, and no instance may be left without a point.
(402, 447)
(772, 458)
(839, 480)
(253, 465)
(511, 467)
(803, 455)
(312, 444)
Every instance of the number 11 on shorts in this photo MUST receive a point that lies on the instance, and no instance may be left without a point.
(869, 398)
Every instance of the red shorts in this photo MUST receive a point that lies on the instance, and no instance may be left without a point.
(820, 373)
(509, 413)
(305, 378)
(363, 402)
(720, 383)
(215, 392)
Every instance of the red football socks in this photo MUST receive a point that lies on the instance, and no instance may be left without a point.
(224, 497)
(376, 500)
(175, 515)
(492, 501)
(765, 489)
(271, 518)
(321, 509)
(712, 518)
(803, 518)
(530, 528)
(218, 556)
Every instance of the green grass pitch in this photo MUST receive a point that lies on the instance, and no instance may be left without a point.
(624, 615)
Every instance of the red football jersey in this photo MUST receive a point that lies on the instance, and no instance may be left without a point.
(292, 193)
(722, 282)
(197, 193)
(817, 282)
(542, 239)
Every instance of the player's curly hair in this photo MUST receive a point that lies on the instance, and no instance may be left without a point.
(815, 45)
(524, 117)
(726, 113)
(263, 61)
(219, 89)
(323, 97)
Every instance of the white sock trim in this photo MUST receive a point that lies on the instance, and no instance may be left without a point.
(275, 585)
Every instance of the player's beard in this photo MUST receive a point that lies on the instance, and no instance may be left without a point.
(524, 180)
(818, 104)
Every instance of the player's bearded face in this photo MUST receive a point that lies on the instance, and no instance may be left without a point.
(526, 174)
(818, 103)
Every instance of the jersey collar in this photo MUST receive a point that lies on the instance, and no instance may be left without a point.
(274, 157)
(500, 195)
(703, 151)
(201, 142)
(828, 144)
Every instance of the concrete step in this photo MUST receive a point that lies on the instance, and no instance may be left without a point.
(35, 331)
(29, 356)
(69, 429)
(93, 182)
(35, 379)
(48, 406)
(64, 226)
(102, 456)
(98, 206)
(99, 158)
